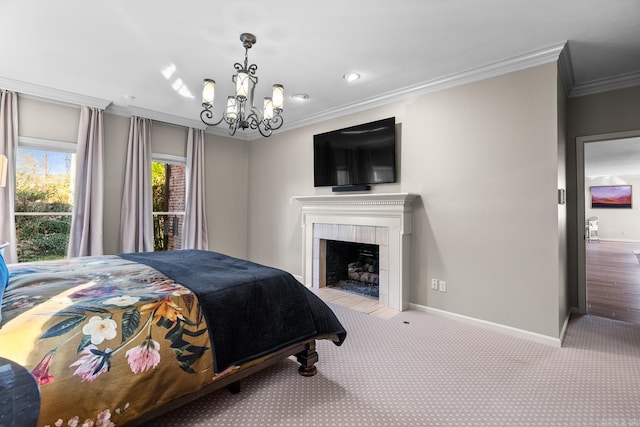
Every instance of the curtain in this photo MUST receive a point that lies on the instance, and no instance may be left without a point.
(195, 221)
(8, 147)
(86, 236)
(136, 219)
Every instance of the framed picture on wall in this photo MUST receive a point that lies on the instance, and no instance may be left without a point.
(611, 196)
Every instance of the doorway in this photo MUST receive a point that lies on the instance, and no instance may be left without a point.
(609, 256)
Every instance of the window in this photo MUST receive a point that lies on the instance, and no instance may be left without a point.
(44, 198)
(168, 182)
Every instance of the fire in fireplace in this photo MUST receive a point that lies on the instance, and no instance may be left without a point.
(353, 267)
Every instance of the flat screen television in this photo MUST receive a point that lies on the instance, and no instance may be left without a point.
(358, 155)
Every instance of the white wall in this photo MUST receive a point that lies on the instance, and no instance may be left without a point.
(484, 159)
(57, 122)
(616, 224)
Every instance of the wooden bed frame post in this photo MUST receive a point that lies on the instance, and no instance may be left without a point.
(307, 360)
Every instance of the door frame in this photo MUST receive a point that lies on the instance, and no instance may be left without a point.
(581, 208)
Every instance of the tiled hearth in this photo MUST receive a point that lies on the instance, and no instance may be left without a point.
(380, 219)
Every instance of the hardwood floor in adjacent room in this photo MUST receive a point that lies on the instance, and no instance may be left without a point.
(613, 280)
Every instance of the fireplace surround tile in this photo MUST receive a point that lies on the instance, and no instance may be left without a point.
(366, 234)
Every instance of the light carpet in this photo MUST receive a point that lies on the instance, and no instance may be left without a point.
(417, 369)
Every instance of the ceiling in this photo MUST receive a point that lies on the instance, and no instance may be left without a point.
(612, 159)
(113, 53)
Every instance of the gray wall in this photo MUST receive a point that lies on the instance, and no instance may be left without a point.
(484, 158)
(603, 113)
(564, 305)
(226, 171)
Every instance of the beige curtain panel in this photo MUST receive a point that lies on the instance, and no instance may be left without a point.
(195, 221)
(136, 219)
(8, 147)
(86, 237)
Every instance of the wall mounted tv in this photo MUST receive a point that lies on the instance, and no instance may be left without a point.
(356, 156)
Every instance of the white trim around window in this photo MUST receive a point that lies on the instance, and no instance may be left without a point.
(168, 158)
(47, 144)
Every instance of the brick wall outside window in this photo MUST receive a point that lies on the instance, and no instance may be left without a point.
(176, 203)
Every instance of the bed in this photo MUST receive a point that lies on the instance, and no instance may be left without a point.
(119, 340)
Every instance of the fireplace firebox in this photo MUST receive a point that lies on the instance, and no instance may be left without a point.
(353, 267)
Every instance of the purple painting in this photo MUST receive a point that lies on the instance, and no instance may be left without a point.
(611, 196)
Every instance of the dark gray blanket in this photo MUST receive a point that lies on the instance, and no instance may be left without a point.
(251, 310)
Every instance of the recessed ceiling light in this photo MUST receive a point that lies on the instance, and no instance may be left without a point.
(351, 77)
(129, 97)
(300, 96)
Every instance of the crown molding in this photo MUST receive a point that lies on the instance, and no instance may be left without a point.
(493, 69)
(177, 121)
(565, 66)
(604, 85)
(51, 94)
(155, 115)
(558, 52)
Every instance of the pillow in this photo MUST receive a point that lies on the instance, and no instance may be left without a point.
(4, 280)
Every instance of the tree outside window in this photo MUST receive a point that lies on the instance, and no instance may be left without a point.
(43, 202)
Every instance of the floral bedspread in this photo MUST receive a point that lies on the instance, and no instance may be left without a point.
(112, 338)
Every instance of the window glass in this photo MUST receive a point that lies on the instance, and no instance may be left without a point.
(168, 181)
(43, 201)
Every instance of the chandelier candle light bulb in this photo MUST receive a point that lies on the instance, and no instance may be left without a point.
(240, 113)
(232, 111)
(208, 92)
(242, 85)
(278, 97)
(268, 109)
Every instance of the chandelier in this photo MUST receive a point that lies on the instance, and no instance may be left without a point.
(240, 113)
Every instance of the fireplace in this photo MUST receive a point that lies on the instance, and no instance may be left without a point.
(350, 266)
(383, 220)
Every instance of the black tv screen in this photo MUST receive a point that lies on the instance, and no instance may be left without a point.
(362, 154)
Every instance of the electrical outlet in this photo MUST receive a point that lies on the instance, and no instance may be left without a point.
(434, 284)
(442, 286)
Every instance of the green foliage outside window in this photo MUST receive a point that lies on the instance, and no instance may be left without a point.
(167, 181)
(39, 190)
(159, 184)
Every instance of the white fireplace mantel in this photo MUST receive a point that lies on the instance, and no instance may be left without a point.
(380, 218)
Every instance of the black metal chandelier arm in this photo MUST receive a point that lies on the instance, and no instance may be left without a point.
(276, 122)
(206, 116)
(252, 120)
(233, 126)
(265, 131)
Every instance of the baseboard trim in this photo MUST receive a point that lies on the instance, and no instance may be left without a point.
(611, 239)
(509, 330)
(563, 331)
